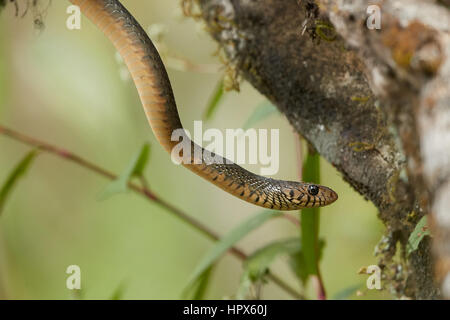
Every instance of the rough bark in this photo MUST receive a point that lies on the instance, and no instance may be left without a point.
(374, 103)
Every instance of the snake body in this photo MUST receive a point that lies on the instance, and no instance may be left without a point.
(153, 85)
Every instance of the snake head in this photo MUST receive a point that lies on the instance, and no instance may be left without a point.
(308, 195)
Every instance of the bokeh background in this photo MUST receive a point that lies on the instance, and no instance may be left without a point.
(65, 87)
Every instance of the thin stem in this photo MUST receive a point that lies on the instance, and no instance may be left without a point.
(291, 219)
(141, 190)
(317, 277)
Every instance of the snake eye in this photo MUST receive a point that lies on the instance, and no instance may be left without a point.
(313, 190)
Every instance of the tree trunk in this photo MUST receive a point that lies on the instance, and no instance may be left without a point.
(374, 103)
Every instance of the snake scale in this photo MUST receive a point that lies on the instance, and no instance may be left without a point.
(153, 85)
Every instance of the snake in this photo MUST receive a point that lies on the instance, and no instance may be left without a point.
(155, 92)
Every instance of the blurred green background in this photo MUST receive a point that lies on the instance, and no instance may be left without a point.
(64, 87)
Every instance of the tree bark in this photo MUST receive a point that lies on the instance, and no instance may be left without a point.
(374, 103)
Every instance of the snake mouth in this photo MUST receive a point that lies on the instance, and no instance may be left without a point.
(328, 195)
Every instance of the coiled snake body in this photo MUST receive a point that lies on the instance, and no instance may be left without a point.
(152, 83)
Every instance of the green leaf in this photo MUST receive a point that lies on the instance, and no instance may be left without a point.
(261, 112)
(345, 293)
(310, 219)
(135, 168)
(257, 265)
(298, 264)
(118, 293)
(198, 289)
(214, 101)
(18, 172)
(227, 242)
(244, 286)
(141, 163)
(420, 231)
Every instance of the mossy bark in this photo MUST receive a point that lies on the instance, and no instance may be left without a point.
(355, 95)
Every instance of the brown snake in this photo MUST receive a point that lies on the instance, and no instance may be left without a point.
(155, 91)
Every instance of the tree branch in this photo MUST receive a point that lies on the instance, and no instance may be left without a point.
(337, 84)
(407, 63)
(143, 191)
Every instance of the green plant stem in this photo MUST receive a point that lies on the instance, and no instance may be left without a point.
(144, 191)
(310, 221)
